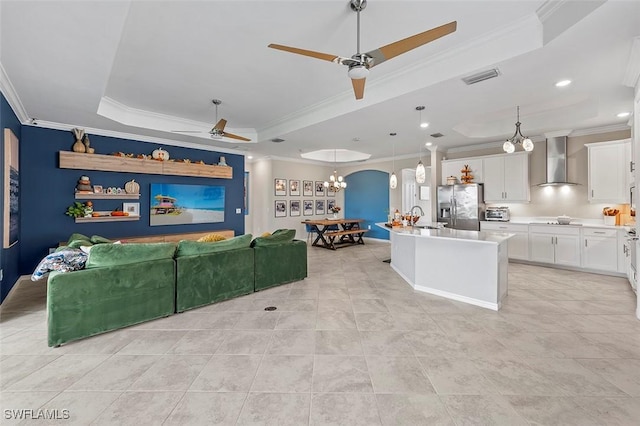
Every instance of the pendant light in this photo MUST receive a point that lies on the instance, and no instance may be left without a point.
(518, 138)
(393, 180)
(336, 182)
(421, 173)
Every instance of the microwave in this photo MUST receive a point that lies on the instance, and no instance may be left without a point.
(498, 214)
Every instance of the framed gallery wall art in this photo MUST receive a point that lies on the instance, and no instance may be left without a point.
(281, 208)
(319, 189)
(319, 206)
(294, 187)
(294, 208)
(280, 187)
(11, 189)
(331, 191)
(307, 207)
(307, 188)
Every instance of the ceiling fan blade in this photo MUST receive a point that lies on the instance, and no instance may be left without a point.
(232, 136)
(311, 53)
(187, 131)
(402, 46)
(220, 125)
(358, 87)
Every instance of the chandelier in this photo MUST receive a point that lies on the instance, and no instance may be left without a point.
(336, 182)
(510, 145)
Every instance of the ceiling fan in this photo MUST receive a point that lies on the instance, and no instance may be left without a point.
(218, 130)
(360, 63)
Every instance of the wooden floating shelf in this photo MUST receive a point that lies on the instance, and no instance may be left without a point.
(93, 196)
(106, 219)
(112, 163)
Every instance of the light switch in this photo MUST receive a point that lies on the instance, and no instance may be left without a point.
(238, 211)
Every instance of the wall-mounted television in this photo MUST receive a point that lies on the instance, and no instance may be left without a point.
(176, 204)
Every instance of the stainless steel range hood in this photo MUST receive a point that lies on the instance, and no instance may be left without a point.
(557, 162)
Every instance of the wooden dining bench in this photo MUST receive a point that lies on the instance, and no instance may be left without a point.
(351, 236)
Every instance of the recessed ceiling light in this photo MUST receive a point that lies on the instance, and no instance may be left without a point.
(623, 114)
(428, 144)
(424, 125)
(250, 157)
(563, 83)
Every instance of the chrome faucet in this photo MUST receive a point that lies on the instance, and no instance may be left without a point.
(411, 212)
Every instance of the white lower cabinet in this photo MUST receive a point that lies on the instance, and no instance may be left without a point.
(600, 249)
(518, 244)
(554, 244)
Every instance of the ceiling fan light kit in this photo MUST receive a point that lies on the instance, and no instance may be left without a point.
(360, 63)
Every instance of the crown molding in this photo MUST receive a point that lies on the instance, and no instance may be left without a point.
(598, 130)
(13, 99)
(132, 136)
(548, 8)
(632, 73)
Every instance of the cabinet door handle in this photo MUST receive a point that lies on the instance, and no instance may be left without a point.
(632, 166)
(586, 243)
(551, 240)
(599, 232)
(592, 193)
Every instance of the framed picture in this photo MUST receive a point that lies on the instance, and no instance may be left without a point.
(177, 204)
(294, 187)
(132, 208)
(307, 188)
(331, 191)
(280, 187)
(330, 204)
(319, 189)
(97, 189)
(320, 207)
(11, 189)
(281, 208)
(307, 207)
(294, 208)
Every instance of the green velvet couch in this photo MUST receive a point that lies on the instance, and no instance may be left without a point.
(212, 272)
(121, 285)
(279, 259)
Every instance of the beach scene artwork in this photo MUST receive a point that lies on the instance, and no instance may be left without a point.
(175, 204)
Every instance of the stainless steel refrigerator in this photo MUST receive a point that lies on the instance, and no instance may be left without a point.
(461, 206)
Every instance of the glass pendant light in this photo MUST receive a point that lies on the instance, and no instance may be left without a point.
(421, 173)
(393, 180)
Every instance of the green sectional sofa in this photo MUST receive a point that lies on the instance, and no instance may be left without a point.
(127, 284)
(279, 259)
(212, 272)
(121, 285)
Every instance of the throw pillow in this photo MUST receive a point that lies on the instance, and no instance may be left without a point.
(211, 238)
(61, 261)
(97, 239)
(279, 236)
(191, 248)
(266, 234)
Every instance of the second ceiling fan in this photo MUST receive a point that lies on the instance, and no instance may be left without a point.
(360, 63)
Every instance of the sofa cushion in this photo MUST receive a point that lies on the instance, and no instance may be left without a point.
(278, 237)
(102, 255)
(190, 248)
(97, 239)
(77, 240)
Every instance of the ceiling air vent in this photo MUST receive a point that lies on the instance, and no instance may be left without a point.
(436, 135)
(277, 140)
(481, 76)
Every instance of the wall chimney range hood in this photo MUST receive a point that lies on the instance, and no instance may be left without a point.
(557, 162)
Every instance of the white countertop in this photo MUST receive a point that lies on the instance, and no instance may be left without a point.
(451, 234)
(577, 222)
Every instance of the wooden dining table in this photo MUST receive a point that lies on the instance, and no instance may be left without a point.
(335, 233)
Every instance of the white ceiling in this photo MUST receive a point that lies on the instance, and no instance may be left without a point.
(149, 67)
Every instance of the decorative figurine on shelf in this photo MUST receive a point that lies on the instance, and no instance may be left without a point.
(222, 162)
(466, 177)
(84, 184)
(87, 145)
(132, 187)
(88, 209)
(160, 154)
(78, 146)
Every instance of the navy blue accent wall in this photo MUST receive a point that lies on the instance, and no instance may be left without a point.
(367, 197)
(9, 258)
(47, 191)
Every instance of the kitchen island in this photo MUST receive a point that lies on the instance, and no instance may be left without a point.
(468, 266)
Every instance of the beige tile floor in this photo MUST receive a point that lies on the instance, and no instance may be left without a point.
(350, 345)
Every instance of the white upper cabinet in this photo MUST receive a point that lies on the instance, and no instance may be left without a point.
(506, 177)
(454, 167)
(609, 171)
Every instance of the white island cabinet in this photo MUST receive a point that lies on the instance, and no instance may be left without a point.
(467, 266)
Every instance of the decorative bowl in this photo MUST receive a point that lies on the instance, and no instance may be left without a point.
(564, 220)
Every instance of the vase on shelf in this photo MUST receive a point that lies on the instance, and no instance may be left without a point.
(335, 215)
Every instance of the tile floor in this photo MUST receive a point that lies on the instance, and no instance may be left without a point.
(350, 345)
